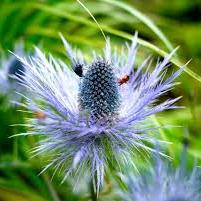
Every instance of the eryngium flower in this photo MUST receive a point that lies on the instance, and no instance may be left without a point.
(95, 111)
(164, 183)
(10, 69)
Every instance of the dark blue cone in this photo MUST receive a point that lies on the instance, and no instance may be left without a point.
(99, 93)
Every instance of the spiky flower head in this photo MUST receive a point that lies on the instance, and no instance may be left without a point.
(95, 110)
(11, 68)
(164, 183)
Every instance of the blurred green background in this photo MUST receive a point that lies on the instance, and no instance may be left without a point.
(162, 25)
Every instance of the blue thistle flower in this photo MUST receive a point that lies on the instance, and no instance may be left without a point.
(95, 111)
(164, 183)
(11, 68)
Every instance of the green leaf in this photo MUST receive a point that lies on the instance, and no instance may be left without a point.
(142, 18)
(13, 195)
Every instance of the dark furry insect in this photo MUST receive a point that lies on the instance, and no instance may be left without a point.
(78, 69)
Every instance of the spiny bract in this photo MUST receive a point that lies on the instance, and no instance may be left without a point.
(93, 120)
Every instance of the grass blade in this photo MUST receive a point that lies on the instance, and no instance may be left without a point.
(143, 19)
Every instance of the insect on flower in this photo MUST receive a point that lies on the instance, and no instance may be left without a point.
(123, 80)
(39, 115)
(91, 123)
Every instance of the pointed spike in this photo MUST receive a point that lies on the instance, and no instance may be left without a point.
(77, 65)
(68, 48)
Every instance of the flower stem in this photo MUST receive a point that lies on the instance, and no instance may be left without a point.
(52, 191)
(94, 196)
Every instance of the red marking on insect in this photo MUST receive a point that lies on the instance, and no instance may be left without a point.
(39, 115)
(123, 80)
